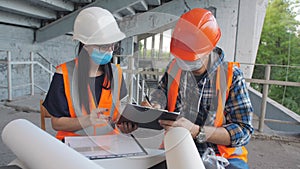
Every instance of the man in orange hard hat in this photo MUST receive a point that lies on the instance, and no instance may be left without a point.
(210, 94)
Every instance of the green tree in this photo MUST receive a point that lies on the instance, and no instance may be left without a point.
(280, 45)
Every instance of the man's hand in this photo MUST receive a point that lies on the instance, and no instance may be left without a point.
(97, 116)
(127, 127)
(182, 122)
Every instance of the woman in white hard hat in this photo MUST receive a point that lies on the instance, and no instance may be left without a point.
(85, 93)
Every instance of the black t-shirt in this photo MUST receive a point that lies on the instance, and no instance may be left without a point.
(56, 101)
(199, 77)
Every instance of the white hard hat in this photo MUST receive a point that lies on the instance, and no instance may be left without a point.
(96, 26)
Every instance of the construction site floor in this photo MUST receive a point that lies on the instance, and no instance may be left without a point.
(267, 150)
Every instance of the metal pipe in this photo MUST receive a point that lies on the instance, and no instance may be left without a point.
(152, 47)
(282, 122)
(237, 31)
(115, 59)
(9, 82)
(143, 88)
(22, 85)
(273, 82)
(137, 88)
(264, 99)
(130, 78)
(147, 91)
(37, 86)
(32, 74)
(3, 86)
(43, 67)
(22, 62)
(50, 74)
(145, 48)
(161, 41)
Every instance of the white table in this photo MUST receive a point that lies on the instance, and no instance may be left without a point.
(136, 162)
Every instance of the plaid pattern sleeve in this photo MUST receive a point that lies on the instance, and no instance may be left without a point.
(238, 111)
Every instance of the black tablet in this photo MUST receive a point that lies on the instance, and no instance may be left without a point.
(146, 117)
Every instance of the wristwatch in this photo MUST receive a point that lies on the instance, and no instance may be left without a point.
(201, 137)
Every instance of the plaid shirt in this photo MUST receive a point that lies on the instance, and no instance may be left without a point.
(238, 109)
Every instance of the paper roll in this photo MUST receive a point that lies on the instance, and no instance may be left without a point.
(181, 151)
(37, 149)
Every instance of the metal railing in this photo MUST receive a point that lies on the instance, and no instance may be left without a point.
(31, 63)
(266, 82)
(265, 91)
(133, 77)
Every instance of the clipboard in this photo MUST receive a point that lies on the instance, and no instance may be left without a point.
(106, 146)
(146, 117)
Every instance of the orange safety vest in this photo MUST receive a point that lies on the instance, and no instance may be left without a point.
(173, 87)
(106, 99)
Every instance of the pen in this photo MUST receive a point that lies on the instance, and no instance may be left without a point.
(148, 100)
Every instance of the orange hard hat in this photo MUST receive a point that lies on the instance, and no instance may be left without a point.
(195, 35)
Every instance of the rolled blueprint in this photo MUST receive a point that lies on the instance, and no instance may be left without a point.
(181, 151)
(37, 149)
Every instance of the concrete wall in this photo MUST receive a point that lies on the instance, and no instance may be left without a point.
(19, 41)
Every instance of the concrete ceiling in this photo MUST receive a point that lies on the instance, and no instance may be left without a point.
(52, 18)
(37, 13)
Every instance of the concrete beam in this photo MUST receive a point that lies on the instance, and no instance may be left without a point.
(58, 5)
(65, 24)
(118, 16)
(144, 36)
(154, 2)
(81, 1)
(23, 8)
(148, 22)
(141, 6)
(15, 19)
(127, 11)
(158, 19)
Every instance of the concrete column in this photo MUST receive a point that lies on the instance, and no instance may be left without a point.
(249, 26)
(127, 46)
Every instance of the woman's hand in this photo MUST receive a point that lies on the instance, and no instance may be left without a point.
(97, 116)
(127, 127)
(182, 122)
(147, 104)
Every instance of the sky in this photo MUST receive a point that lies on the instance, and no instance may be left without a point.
(297, 10)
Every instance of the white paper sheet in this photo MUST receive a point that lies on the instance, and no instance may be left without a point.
(38, 150)
(106, 146)
(181, 151)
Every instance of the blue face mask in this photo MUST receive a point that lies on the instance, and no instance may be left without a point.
(101, 58)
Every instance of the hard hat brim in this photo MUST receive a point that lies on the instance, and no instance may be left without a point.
(112, 38)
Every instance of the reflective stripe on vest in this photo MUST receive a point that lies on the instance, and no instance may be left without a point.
(174, 73)
(108, 100)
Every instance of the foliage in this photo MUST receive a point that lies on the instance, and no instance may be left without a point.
(280, 45)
